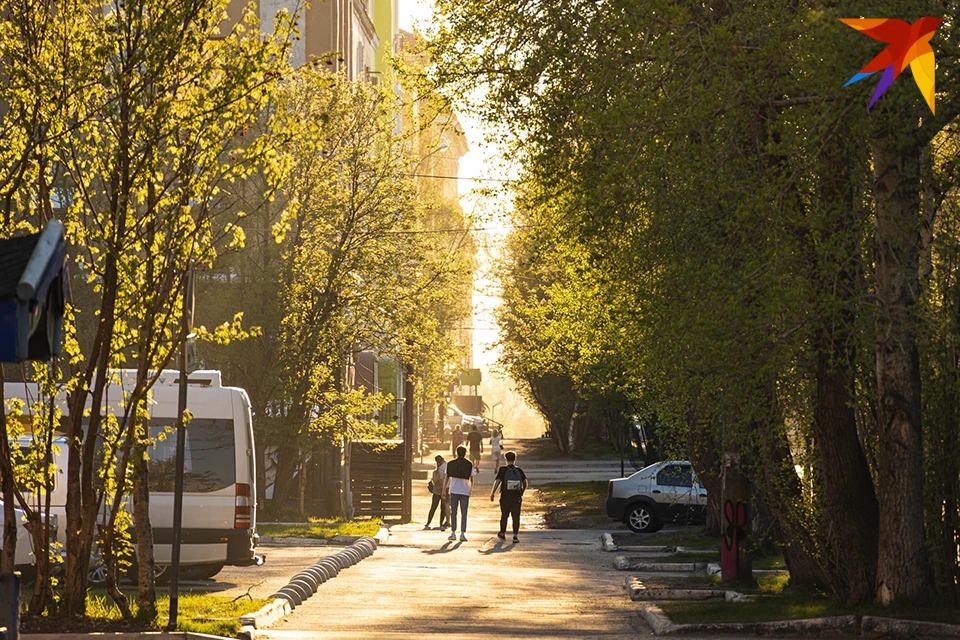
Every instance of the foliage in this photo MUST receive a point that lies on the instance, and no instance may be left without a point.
(148, 111)
(707, 207)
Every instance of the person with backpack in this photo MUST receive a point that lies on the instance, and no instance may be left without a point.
(512, 482)
(460, 473)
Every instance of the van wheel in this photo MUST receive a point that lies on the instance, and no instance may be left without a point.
(201, 571)
(641, 519)
(161, 574)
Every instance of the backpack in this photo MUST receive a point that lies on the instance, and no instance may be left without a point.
(512, 479)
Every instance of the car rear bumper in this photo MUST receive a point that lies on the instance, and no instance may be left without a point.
(241, 547)
(616, 507)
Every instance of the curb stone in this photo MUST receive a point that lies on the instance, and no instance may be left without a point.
(820, 627)
(304, 584)
(622, 563)
(640, 593)
(899, 628)
(607, 543)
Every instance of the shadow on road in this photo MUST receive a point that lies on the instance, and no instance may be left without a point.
(500, 547)
(446, 548)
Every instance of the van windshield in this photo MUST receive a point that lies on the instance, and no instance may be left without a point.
(209, 455)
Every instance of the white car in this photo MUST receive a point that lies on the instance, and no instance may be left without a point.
(661, 493)
(25, 558)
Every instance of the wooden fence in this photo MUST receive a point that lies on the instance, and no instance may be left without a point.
(376, 471)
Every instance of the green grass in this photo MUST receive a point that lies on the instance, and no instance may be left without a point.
(588, 498)
(692, 537)
(573, 505)
(545, 449)
(775, 600)
(762, 609)
(322, 529)
(197, 612)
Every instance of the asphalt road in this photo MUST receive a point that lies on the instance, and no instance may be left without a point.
(555, 584)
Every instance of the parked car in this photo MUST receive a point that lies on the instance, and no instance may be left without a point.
(25, 560)
(661, 493)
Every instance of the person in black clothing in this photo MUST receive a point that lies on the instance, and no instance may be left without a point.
(512, 482)
(475, 438)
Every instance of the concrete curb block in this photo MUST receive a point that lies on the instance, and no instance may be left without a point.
(606, 542)
(899, 628)
(622, 563)
(820, 627)
(640, 593)
(266, 615)
(279, 541)
(304, 584)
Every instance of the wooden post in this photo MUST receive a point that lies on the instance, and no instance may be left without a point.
(735, 562)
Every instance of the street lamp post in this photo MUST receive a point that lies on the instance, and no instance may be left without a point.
(186, 326)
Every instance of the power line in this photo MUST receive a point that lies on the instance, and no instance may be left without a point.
(427, 175)
(464, 229)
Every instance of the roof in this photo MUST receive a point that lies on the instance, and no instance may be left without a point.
(14, 255)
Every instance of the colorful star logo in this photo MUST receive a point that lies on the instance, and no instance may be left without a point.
(907, 44)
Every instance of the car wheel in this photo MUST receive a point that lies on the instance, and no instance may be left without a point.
(641, 519)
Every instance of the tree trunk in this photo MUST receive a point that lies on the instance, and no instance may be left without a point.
(146, 560)
(9, 553)
(903, 568)
(851, 505)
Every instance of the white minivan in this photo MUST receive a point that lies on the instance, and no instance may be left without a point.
(219, 499)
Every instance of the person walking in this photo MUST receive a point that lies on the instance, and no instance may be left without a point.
(475, 438)
(460, 474)
(456, 439)
(496, 448)
(436, 485)
(512, 482)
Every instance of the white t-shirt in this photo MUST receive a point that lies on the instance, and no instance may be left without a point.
(461, 486)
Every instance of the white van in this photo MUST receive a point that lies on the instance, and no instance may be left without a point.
(219, 499)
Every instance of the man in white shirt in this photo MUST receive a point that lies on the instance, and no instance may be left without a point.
(459, 482)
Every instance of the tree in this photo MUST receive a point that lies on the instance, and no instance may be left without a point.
(708, 165)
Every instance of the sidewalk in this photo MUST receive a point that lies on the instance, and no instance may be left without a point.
(554, 584)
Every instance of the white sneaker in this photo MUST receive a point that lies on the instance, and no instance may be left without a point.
(453, 536)
(463, 537)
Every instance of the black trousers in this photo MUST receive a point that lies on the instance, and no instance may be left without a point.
(437, 500)
(510, 507)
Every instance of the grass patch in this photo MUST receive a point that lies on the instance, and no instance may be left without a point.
(545, 449)
(775, 600)
(764, 608)
(687, 536)
(197, 612)
(322, 529)
(574, 505)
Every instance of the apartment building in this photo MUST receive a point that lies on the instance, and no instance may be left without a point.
(353, 36)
